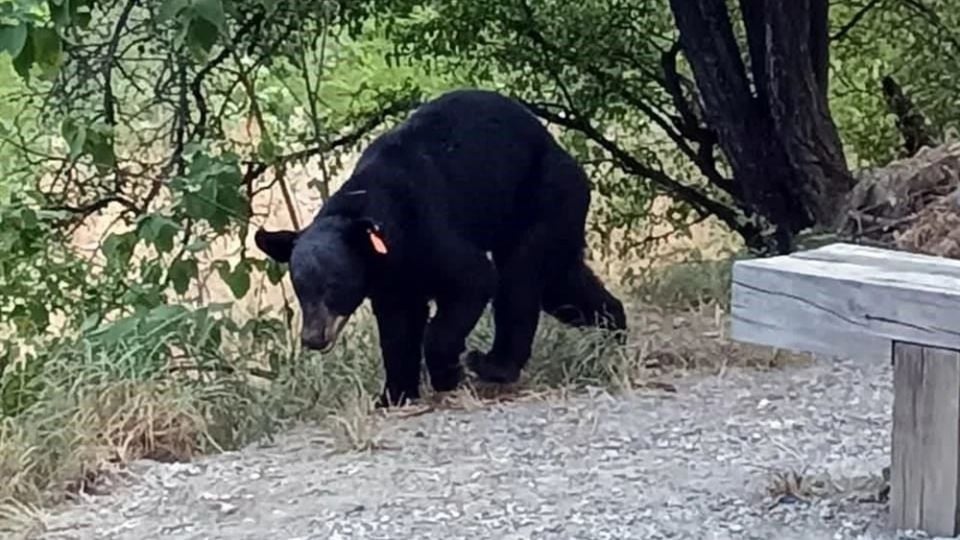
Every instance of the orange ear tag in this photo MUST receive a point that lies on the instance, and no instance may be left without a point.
(378, 244)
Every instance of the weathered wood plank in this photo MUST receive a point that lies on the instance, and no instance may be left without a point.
(925, 473)
(888, 260)
(847, 300)
(906, 481)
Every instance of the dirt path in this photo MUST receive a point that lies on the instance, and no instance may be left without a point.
(695, 464)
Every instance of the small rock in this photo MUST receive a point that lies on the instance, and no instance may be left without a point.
(227, 508)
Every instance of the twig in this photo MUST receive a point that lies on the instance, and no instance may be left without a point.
(256, 372)
(280, 178)
(257, 168)
(857, 17)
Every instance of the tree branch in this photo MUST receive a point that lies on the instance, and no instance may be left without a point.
(109, 102)
(690, 124)
(196, 86)
(702, 204)
(910, 121)
(256, 168)
(88, 209)
(702, 157)
(855, 20)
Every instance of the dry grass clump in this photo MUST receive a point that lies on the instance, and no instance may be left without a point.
(794, 486)
(354, 426)
(935, 230)
(91, 409)
(909, 203)
(679, 328)
(61, 447)
(913, 204)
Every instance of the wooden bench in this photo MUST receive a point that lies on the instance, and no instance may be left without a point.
(859, 302)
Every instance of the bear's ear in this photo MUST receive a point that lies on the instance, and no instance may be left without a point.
(278, 245)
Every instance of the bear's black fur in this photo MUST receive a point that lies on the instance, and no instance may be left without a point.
(469, 173)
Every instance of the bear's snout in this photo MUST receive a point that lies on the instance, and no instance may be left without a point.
(320, 333)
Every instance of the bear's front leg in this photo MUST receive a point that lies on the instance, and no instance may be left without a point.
(459, 306)
(400, 324)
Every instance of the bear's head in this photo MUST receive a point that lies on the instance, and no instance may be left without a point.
(328, 264)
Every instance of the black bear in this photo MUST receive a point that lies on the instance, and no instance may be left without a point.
(468, 174)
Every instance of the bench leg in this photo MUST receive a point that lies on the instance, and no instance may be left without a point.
(925, 474)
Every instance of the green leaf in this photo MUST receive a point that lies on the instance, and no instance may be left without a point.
(181, 272)
(99, 144)
(75, 134)
(59, 13)
(170, 9)
(212, 11)
(47, 49)
(197, 246)
(159, 231)
(82, 16)
(275, 271)
(39, 315)
(118, 248)
(201, 36)
(89, 323)
(267, 149)
(13, 39)
(212, 192)
(238, 279)
(269, 6)
(151, 273)
(28, 218)
(117, 331)
(24, 60)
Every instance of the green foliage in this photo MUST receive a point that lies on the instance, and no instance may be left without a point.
(916, 43)
(30, 32)
(590, 60)
(211, 191)
(78, 324)
(689, 284)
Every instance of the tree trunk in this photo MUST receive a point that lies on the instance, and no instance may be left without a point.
(777, 133)
(797, 101)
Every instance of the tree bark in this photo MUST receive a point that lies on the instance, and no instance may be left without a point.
(820, 43)
(798, 104)
(777, 133)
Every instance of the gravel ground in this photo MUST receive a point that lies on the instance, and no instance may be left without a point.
(692, 464)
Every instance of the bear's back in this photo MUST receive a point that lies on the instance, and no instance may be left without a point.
(471, 158)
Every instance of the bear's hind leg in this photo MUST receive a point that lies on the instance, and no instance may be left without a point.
(400, 324)
(558, 213)
(516, 309)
